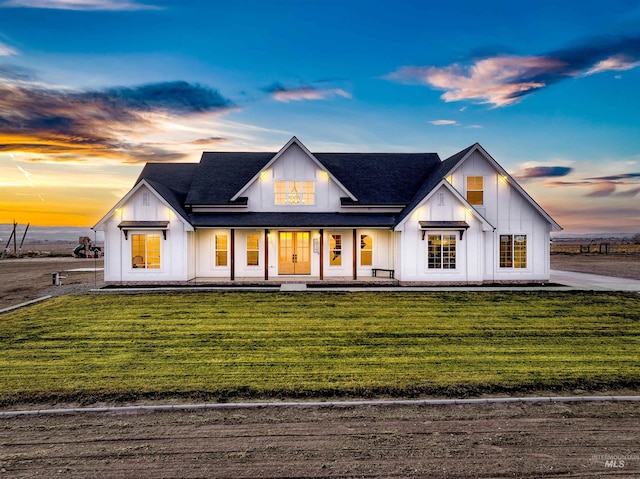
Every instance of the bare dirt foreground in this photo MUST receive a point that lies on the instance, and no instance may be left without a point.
(25, 279)
(509, 440)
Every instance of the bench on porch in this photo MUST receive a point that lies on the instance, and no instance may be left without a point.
(375, 271)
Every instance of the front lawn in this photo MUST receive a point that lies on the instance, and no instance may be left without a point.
(217, 346)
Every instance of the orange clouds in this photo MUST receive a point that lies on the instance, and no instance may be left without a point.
(67, 125)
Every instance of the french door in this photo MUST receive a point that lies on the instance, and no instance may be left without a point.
(294, 252)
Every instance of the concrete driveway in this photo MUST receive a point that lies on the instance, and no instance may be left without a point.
(594, 282)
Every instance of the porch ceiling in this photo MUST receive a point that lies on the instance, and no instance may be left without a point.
(293, 220)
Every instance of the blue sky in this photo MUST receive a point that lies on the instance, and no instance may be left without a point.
(91, 89)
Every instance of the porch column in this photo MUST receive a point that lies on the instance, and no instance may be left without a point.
(355, 254)
(266, 254)
(321, 254)
(233, 254)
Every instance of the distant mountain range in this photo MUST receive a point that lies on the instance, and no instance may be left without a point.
(47, 234)
(588, 236)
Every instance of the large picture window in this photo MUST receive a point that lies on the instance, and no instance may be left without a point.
(441, 252)
(366, 250)
(221, 249)
(253, 249)
(145, 251)
(294, 192)
(335, 250)
(513, 251)
(475, 190)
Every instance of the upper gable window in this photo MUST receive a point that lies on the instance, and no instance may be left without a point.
(294, 192)
(475, 190)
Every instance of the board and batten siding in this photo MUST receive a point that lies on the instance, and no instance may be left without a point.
(510, 213)
(294, 165)
(144, 205)
(441, 206)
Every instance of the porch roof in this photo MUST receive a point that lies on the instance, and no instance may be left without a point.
(443, 225)
(293, 220)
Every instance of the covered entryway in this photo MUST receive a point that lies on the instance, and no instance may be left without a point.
(294, 252)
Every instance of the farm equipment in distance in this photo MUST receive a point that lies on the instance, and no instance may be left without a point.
(86, 249)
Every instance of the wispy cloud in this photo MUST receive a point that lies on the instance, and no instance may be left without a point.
(443, 122)
(542, 172)
(604, 186)
(622, 176)
(613, 63)
(503, 80)
(209, 141)
(64, 125)
(286, 94)
(109, 5)
(6, 50)
(601, 189)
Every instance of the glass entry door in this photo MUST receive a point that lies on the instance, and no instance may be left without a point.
(294, 252)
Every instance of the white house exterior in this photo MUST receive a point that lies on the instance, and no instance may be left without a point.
(237, 217)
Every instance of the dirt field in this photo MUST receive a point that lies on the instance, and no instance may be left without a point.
(620, 265)
(514, 440)
(29, 278)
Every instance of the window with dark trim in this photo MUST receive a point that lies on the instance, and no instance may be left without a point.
(221, 250)
(145, 251)
(513, 251)
(335, 250)
(441, 252)
(253, 249)
(366, 250)
(475, 190)
(294, 192)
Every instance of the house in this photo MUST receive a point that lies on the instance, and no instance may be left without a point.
(322, 216)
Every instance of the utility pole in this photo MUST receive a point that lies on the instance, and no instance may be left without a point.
(6, 248)
(15, 238)
(19, 254)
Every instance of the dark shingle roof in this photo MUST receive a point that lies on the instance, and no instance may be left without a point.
(442, 170)
(380, 178)
(221, 175)
(373, 178)
(172, 181)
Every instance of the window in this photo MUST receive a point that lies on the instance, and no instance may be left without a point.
(145, 251)
(145, 198)
(294, 192)
(335, 250)
(221, 246)
(253, 250)
(513, 251)
(366, 250)
(442, 252)
(475, 189)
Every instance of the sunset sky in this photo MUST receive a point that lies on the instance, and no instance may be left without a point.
(90, 90)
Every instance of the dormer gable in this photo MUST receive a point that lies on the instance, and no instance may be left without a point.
(145, 202)
(293, 180)
(289, 165)
(477, 176)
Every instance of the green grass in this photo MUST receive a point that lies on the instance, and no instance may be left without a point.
(217, 346)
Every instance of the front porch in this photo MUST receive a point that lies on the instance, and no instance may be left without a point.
(313, 281)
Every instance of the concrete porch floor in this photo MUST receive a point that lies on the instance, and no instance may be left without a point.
(309, 280)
